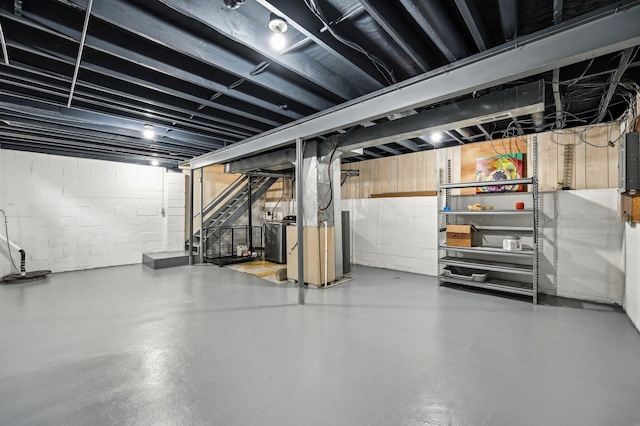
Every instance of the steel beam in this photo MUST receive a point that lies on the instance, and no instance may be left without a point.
(625, 59)
(454, 137)
(385, 14)
(380, 147)
(484, 131)
(509, 18)
(278, 160)
(408, 144)
(473, 19)
(436, 23)
(569, 43)
(521, 100)
(557, 11)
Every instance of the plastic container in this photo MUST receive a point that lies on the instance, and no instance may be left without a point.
(468, 274)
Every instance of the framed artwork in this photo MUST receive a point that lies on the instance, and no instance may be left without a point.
(500, 167)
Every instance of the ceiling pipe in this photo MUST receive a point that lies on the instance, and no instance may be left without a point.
(79, 58)
(4, 46)
(509, 18)
(436, 23)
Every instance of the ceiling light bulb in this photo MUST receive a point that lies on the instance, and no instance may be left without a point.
(233, 4)
(436, 136)
(278, 41)
(277, 24)
(148, 132)
(155, 162)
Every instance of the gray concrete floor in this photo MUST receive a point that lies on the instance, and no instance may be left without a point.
(205, 345)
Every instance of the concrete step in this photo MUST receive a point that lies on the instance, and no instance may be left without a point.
(167, 259)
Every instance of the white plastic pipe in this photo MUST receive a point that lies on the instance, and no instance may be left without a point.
(326, 254)
(4, 240)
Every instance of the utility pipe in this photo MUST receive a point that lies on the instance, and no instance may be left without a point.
(326, 254)
(80, 49)
(300, 219)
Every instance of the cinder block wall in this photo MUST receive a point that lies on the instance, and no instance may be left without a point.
(395, 233)
(70, 214)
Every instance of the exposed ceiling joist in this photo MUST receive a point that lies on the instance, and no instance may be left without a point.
(157, 67)
(384, 13)
(128, 17)
(242, 30)
(300, 17)
(436, 23)
(521, 100)
(578, 41)
(509, 18)
(473, 19)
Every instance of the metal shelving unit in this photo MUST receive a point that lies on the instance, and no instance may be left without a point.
(508, 271)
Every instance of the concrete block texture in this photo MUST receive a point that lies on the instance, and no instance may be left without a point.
(71, 214)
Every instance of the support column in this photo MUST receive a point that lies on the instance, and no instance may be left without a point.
(250, 203)
(300, 219)
(191, 190)
(202, 235)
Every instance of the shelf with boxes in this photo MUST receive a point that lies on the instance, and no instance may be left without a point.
(490, 240)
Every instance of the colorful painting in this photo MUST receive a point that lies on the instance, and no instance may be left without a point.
(500, 167)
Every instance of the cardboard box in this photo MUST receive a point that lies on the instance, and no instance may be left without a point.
(461, 236)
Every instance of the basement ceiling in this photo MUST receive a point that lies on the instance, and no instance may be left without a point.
(83, 78)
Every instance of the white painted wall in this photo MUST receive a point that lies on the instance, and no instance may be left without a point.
(632, 279)
(394, 233)
(582, 243)
(70, 214)
(588, 240)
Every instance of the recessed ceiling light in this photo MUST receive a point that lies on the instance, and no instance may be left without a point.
(155, 162)
(436, 136)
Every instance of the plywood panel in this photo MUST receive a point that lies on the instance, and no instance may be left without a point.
(365, 179)
(547, 160)
(580, 158)
(596, 158)
(430, 170)
(385, 174)
(393, 174)
(376, 186)
(421, 171)
(406, 174)
(612, 153)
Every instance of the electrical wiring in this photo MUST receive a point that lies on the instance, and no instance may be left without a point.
(386, 72)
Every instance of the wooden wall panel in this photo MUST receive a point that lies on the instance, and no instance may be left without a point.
(393, 176)
(596, 164)
(580, 159)
(562, 155)
(612, 153)
(547, 169)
